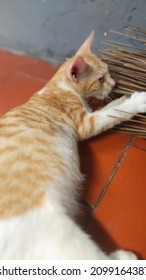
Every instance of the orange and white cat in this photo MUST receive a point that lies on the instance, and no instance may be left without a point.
(39, 165)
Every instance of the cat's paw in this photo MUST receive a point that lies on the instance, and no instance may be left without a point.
(138, 102)
(123, 255)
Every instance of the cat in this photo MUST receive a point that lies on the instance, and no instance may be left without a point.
(40, 179)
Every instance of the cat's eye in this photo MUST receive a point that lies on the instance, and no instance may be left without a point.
(101, 80)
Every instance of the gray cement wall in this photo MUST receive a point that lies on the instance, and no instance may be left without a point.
(54, 29)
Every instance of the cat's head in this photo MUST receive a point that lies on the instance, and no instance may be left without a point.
(87, 74)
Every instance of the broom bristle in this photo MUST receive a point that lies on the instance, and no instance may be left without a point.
(127, 65)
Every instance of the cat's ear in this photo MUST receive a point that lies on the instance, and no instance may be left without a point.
(78, 69)
(87, 45)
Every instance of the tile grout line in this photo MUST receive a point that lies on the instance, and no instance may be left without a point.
(6, 79)
(139, 148)
(18, 70)
(93, 208)
(123, 155)
(21, 73)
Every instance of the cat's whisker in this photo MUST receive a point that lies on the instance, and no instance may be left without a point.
(108, 99)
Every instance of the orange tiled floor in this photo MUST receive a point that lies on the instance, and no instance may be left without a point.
(114, 164)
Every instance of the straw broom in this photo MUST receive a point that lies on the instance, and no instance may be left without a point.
(127, 65)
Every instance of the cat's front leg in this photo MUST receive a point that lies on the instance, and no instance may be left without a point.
(134, 104)
(113, 114)
(123, 109)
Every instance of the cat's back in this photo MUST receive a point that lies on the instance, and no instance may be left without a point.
(23, 152)
(35, 154)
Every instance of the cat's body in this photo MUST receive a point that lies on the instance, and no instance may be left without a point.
(39, 166)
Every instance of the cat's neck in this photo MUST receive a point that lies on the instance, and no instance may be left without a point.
(59, 84)
(65, 87)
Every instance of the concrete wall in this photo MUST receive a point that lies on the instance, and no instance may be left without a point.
(54, 29)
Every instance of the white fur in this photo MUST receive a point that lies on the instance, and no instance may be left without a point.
(48, 233)
(64, 86)
(41, 91)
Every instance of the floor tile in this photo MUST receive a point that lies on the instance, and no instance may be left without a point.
(41, 69)
(99, 157)
(4, 54)
(12, 64)
(121, 216)
(139, 142)
(17, 90)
